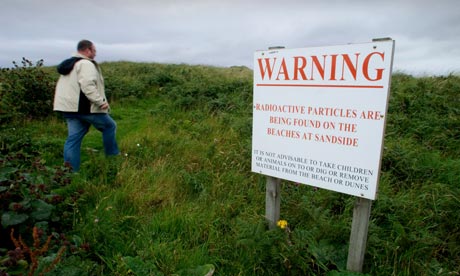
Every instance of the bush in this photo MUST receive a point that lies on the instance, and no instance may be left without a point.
(25, 91)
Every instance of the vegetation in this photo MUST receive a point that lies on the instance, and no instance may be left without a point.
(25, 91)
(181, 200)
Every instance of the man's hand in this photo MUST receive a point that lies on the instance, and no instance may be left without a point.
(104, 106)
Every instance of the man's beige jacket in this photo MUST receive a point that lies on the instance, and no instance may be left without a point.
(82, 90)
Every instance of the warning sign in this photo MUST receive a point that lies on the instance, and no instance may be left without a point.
(319, 115)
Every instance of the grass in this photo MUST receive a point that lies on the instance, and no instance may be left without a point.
(181, 196)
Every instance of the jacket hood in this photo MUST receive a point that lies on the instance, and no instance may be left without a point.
(66, 66)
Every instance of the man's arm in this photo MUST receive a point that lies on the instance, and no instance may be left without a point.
(87, 78)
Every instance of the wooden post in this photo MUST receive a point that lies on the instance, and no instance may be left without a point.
(273, 191)
(272, 201)
(358, 236)
(360, 225)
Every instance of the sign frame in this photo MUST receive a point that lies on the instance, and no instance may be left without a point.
(319, 115)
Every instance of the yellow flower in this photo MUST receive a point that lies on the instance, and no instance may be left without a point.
(282, 224)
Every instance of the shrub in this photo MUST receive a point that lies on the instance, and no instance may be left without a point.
(26, 91)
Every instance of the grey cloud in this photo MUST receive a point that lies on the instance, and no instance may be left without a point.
(226, 33)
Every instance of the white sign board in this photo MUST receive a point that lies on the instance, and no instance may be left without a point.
(319, 115)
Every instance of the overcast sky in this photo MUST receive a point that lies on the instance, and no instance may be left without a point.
(228, 32)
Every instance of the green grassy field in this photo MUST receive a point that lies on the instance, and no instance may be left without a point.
(181, 199)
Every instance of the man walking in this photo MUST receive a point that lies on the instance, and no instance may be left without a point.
(80, 97)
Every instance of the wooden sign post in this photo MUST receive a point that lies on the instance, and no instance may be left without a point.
(360, 224)
(273, 191)
(272, 201)
(358, 236)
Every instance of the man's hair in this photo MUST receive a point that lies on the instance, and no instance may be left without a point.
(84, 44)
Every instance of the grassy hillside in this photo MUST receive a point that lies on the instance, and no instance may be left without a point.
(181, 199)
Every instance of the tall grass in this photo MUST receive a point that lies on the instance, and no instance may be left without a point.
(181, 196)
